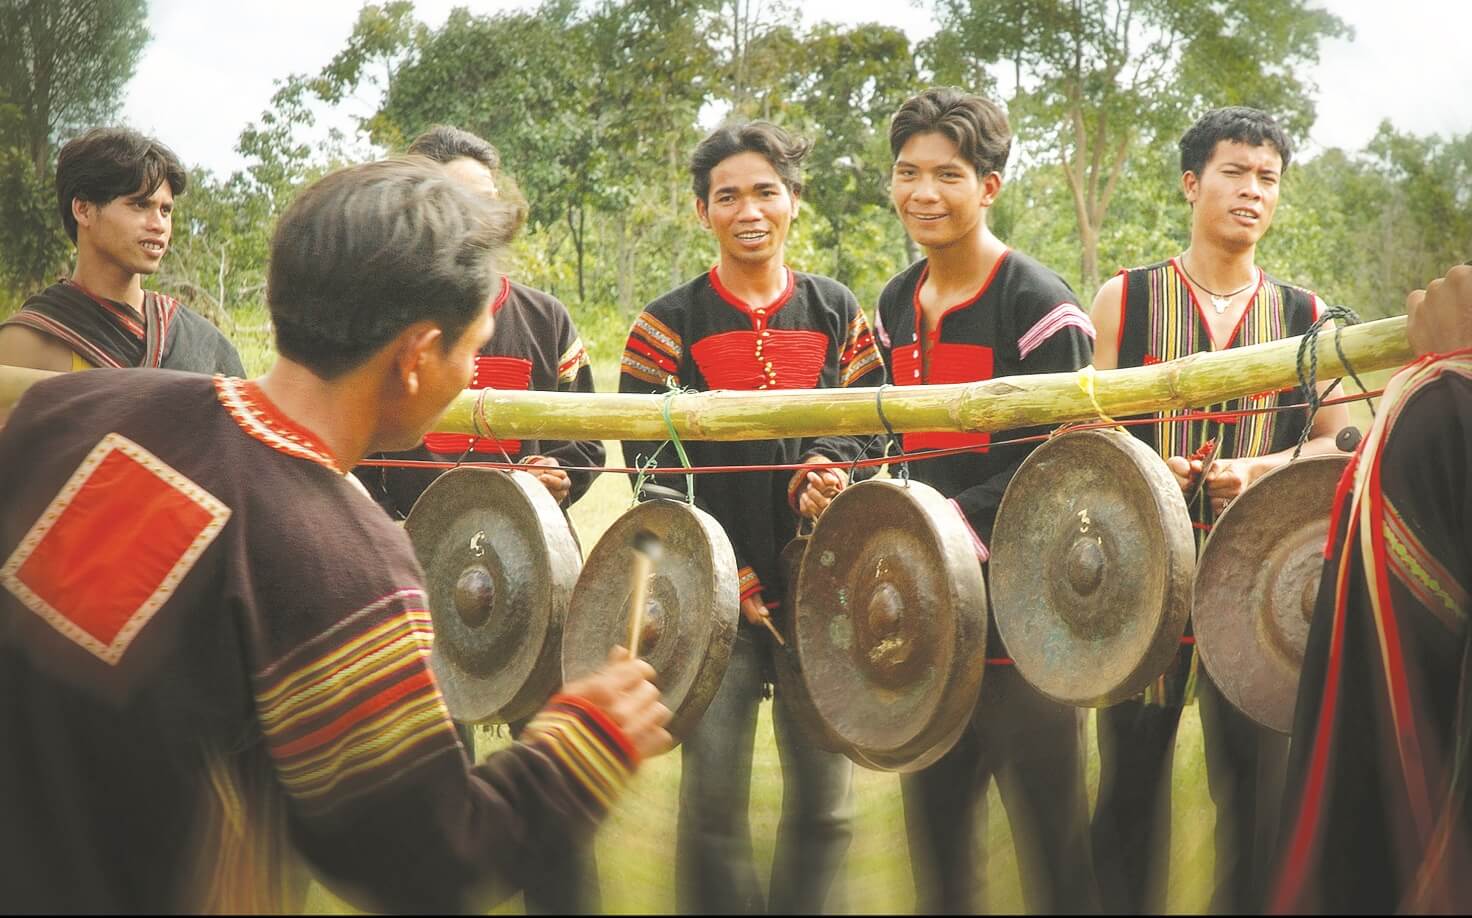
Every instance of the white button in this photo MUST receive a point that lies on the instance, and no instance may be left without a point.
(917, 374)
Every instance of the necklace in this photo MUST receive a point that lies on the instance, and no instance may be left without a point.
(1219, 301)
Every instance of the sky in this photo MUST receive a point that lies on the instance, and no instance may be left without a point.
(216, 61)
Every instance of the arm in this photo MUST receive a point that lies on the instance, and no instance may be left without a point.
(574, 374)
(25, 347)
(381, 798)
(1107, 314)
(860, 366)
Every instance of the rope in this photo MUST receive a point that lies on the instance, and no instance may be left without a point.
(669, 423)
(892, 439)
(477, 418)
(1308, 381)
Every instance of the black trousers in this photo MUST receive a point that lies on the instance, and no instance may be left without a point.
(1245, 770)
(1034, 748)
(570, 884)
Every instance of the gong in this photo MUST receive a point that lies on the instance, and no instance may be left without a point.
(790, 689)
(1256, 586)
(500, 563)
(891, 623)
(1091, 561)
(690, 615)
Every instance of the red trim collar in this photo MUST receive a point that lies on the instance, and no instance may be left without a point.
(770, 309)
(259, 417)
(501, 295)
(920, 283)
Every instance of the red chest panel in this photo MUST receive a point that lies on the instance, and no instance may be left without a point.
(949, 363)
(768, 359)
(513, 373)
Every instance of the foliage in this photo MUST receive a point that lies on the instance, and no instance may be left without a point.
(1095, 81)
(63, 65)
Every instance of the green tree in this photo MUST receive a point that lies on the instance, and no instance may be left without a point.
(1096, 81)
(63, 65)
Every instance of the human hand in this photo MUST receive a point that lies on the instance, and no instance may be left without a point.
(1227, 479)
(754, 610)
(624, 690)
(1439, 318)
(816, 488)
(1180, 467)
(548, 471)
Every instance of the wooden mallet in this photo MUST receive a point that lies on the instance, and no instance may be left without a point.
(646, 546)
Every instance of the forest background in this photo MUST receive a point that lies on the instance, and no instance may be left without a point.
(595, 107)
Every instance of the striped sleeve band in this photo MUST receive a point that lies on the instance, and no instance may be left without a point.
(590, 748)
(1062, 316)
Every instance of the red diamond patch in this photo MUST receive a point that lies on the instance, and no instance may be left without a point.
(112, 546)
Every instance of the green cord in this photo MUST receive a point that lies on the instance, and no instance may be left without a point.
(669, 398)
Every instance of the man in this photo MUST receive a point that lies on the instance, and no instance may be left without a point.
(535, 346)
(186, 711)
(1376, 817)
(115, 190)
(753, 323)
(1212, 296)
(973, 309)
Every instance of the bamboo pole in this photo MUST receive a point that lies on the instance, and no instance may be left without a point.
(998, 404)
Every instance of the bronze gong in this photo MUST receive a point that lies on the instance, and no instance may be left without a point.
(500, 563)
(1256, 585)
(790, 690)
(891, 623)
(690, 615)
(1091, 562)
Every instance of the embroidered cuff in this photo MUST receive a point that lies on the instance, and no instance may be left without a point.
(977, 545)
(590, 748)
(748, 583)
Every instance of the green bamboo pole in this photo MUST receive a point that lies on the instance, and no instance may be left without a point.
(995, 405)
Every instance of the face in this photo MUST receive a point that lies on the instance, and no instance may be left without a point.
(938, 195)
(750, 209)
(1233, 200)
(132, 231)
(473, 175)
(441, 375)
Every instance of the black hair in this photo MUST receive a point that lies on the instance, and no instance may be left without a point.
(784, 151)
(977, 126)
(443, 143)
(370, 249)
(107, 163)
(1244, 125)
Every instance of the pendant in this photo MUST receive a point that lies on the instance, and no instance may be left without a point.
(1220, 303)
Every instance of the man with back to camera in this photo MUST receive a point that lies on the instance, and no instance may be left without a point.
(974, 309)
(187, 715)
(751, 322)
(1210, 297)
(115, 192)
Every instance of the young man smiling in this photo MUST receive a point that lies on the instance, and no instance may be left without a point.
(751, 322)
(973, 309)
(1210, 297)
(115, 191)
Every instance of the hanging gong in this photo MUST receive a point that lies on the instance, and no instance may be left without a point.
(500, 563)
(1256, 585)
(1091, 561)
(789, 687)
(690, 616)
(891, 623)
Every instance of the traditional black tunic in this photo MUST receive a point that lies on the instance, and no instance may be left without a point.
(1376, 816)
(536, 347)
(701, 336)
(1024, 319)
(214, 649)
(106, 333)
